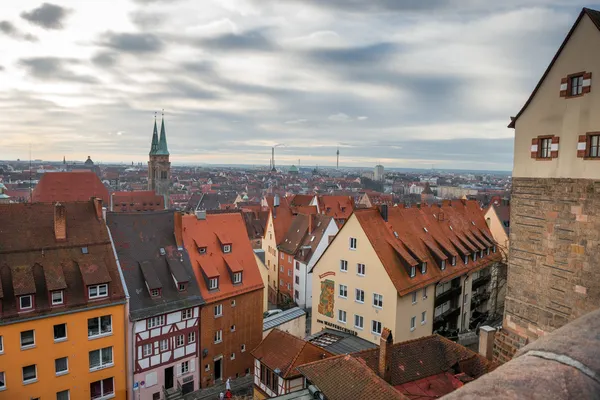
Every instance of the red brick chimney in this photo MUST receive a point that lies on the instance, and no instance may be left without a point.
(60, 222)
(385, 350)
(97, 207)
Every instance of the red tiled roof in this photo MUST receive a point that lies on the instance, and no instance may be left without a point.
(431, 387)
(69, 186)
(338, 207)
(282, 217)
(302, 200)
(143, 200)
(205, 232)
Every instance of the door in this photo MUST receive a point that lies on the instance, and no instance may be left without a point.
(187, 387)
(218, 374)
(168, 378)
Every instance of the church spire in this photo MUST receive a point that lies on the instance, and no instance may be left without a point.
(162, 143)
(154, 146)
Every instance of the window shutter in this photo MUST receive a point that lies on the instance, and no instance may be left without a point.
(534, 147)
(581, 146)
(554, 148)
(563, 87)
(587, 82)
(192, 365)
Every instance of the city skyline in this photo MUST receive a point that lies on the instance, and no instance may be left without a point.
(392, 82)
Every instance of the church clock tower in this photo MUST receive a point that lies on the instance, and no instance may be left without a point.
(159, 167)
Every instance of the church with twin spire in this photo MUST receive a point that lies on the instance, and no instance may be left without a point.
(159, 166)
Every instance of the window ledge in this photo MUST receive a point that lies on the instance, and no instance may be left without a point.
(29, 382)
(343, 297)
(362, 275)
(412, 329)
(62, 373)
(375, 333)
(100, 336)
(220, 341)
(60, 340)
(359, 302)
(94, 369)
(108, 396)
(28, 347)
(423, 322)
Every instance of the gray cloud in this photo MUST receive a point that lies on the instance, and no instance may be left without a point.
(253, 40)
(361, 55)
(54, 68)
(2, 68)
(147, 20)
(105, 59)
(48, 16)
(136, 43)
(9, 29)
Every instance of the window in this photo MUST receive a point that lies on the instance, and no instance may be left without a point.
(376, 327)
(1, 345)
(466, 259)
(28, 338)
(156, 321)
(281, 268)
(207, 367)
(63, 395)
(297, 294)
(101, 358)
(423, 317)
(474, 256)
(494, 249)
(100, 389)
(60, 332)
(232, 328)
(423, 268)
(187, 314)
(454, 261)
(57, 297)
(281, 282)
(218, 311)
(232, 357)
(297, 265)
(487, 251)
(155, 292)
(576, 85)
(360, 296)
(237, 277)
(413, 271)
(29, 373)
(342, 316)
(99, 326)
(414, 297)
(443, 265)
(289, 272)
(288, 286)
(26, 302)
(424, 292)
(2, 381)
(181, 287)
(466, 298)
(352, 243)
(343, 265)
(213, 283)
(358, 321)
(243, 348)
(344, 291)
(164, 345)
(218, 336)
(297, 280)
(377, 300)
(282, 256)
(233, 303)
(412, 323)
(147, 349)
(481, 254)
(545, 147)
(202, 250)
(185, 367)
(98, 291)
(594, 145)
(192, 337)
(179, 340)
(360, 269)
(61, 366)
(227, 248)
(289, 259)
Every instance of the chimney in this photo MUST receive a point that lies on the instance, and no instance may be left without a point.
(385, 356)
(178, 228)
(97, 207)
(60, 222)
(486, 341)
(383, 210)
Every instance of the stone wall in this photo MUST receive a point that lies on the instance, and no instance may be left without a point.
(554, 261)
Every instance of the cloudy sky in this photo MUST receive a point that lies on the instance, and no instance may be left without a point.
(408, 83)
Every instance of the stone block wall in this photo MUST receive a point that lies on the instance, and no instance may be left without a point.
(554, 261)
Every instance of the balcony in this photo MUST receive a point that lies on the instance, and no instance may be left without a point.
(482, 280)
(478, 299)
(451, 312)
(447, 295)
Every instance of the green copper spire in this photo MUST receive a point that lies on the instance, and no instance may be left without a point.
(162, 143)
(154, 146)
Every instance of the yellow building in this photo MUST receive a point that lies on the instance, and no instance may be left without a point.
(62, 315)
(404, 269)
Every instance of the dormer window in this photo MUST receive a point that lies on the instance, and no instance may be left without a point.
(162, 251)
(155, 293)
(413, 271)
(466, 260)
(423, 268)
(181, 286)
(213, 283)
(57, 297)
(237, 278)
(226, 248)
(202, 250)
(443, 265)
(454, 261)
(26, 303)
(97, 291)
(487, 251)
(481, 254)
(474, 256)
(494, 249)
(84, 250)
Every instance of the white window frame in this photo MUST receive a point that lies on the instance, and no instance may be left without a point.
(466, 260)
(453, 261)
(414, 297)
(179, 340)
(98, 287)
(30, 307)
(226, 248)
(61, 339)
(356, 292)
(413, 271)
(102, 394)
(424, 268)
(425, 293)
(377, 300)
(474, 256)
(376, 324)
(100, 334)
(232, 356)
(102, 365)
(3, 380)
(188, 313)
(213, 283)
(62, 297)
(443, 265)
(243, 348)
(166, 345)
(344, 265)
(67, 391)
(364, 269)
(181, 286)
(30, 380)
(185, 367)
(1, 344)
(233, 303)
(146, 349)
(157, 321)
(63, 372)
(345, 287)
(237, 277)
(232, 328)
(218, 310)
(423, 317)
(413, 323)
(218, 336)
(191, 337)
(342, 313)
(27, 346)
(358, 318)
(353, 243)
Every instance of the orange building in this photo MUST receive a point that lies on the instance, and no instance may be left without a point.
(62, 304)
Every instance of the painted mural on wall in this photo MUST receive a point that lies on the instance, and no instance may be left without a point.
(327, 298)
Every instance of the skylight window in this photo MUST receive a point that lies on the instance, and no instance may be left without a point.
(84, 250)
(162, 251)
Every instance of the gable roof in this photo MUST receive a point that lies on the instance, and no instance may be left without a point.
(595, 17)
(144, 200)
(69, 186)
(281, 217)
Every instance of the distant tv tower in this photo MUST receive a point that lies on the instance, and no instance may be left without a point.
(338, 159)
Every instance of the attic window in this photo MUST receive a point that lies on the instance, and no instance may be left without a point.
(226, 248)
(202, 250)
(576, 85)
(443, 265)
(155, 292)
(181, 286)
(312, 238)
(237, 277)
(423, 268)
(84, 250)
(454, 261)
(413, 271)
(451, 228)
(396, 234)
(425, 229)
(475, 256)
(57, 297)
(466, 260)
(213, 283)
(162, 251)
(487, 251)
(494, 249)
(26, 303)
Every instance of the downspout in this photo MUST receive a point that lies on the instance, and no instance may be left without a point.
(128, 349)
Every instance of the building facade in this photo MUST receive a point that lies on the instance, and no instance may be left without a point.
(159, 167)
(62, 313)
(553, 273)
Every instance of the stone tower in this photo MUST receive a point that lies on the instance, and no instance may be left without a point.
(159, 167)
